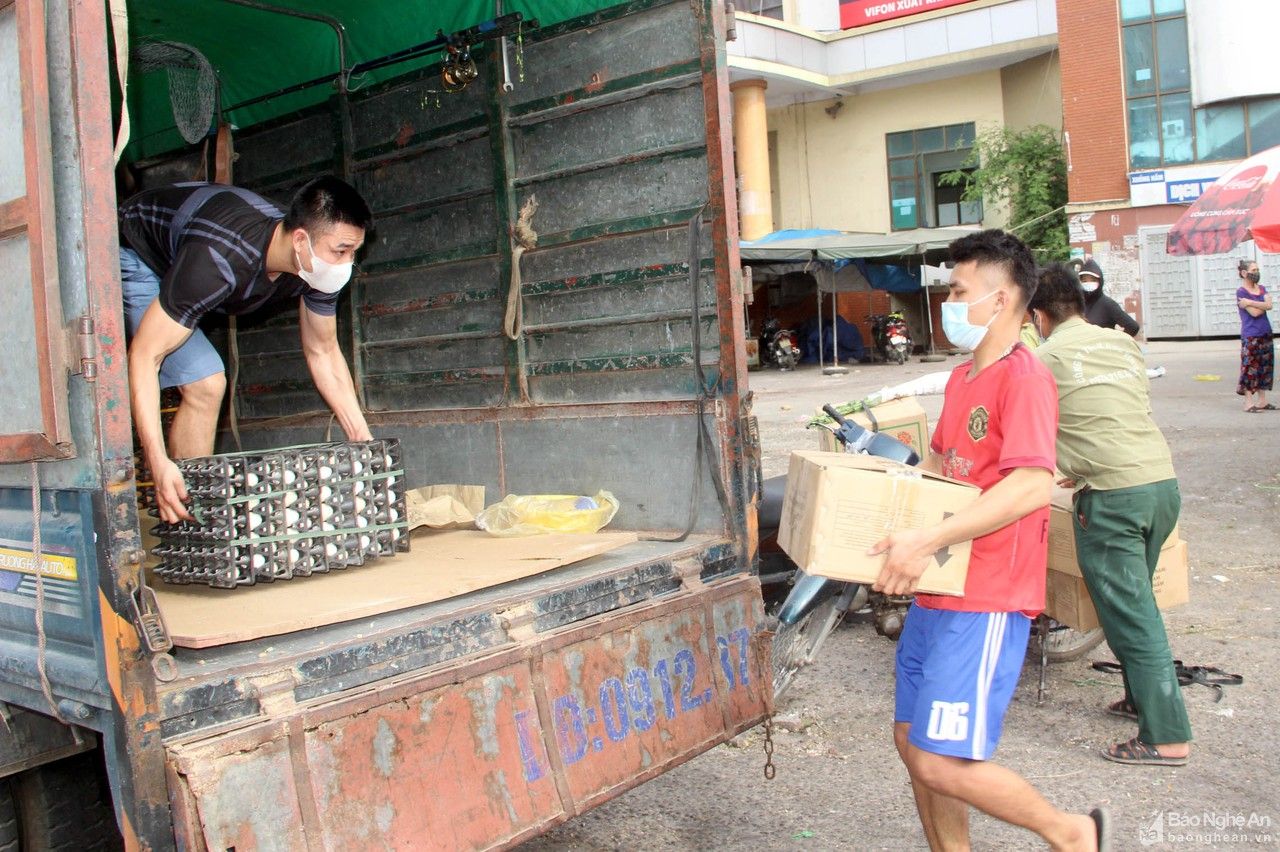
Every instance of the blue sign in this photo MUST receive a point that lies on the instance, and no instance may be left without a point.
(1136, 178)
(1186, 191)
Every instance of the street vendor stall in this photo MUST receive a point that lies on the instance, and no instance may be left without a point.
(828, 251)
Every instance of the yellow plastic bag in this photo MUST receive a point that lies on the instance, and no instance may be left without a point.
(548, 513)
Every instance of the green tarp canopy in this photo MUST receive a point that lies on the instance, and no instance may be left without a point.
(255, 52)
(851, 245)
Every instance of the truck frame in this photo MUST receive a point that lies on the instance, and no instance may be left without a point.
(476, 722)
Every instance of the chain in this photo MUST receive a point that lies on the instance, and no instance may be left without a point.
(769, 769)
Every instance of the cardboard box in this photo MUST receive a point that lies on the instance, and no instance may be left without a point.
(904, 419)
(838, 505)
(1066, 595)
(1062, 536)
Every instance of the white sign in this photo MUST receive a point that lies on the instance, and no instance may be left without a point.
(1174, 184)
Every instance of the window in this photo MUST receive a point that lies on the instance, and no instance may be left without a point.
(917, 159)
(33, 383)
(1164, 129)
(949, 206)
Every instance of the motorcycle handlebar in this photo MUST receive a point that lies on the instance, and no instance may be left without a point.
(830, 411)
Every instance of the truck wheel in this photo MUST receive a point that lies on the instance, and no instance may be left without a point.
(8, 819)
(796, 645)
(65, 806)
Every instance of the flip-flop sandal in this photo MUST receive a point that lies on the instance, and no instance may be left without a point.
(1267, 407)
(1102, 823)
(1124, 709)
(1137, 753)
(1253, 409)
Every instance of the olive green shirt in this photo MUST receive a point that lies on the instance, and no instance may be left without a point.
(1106, 436)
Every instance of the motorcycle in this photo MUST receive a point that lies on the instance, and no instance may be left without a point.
(808, 608)
(890, 336)
(779, 346)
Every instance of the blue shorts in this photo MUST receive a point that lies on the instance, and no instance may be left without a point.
(195, 359)
(956, 673)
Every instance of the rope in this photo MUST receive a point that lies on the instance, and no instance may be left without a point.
(120, 35)
(233, 350)
(704, 453)
(1022, 225)
(36, 558)
(525, 238)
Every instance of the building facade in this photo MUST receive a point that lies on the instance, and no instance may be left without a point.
(1160, 98)
(847, 114)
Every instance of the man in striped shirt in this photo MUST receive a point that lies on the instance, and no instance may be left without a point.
(190, 249)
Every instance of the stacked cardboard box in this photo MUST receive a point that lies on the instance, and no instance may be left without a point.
(1066, 595)
(903, 419)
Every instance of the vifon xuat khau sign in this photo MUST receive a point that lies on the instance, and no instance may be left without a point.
(859, 13)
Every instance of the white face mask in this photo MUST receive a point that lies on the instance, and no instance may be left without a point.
(324, 276)
(956, 325)
(1088, 285)
(1038, 324)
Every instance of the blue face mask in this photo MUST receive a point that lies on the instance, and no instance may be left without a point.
(956, 325)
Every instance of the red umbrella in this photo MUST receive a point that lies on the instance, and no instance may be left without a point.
(1241, 205)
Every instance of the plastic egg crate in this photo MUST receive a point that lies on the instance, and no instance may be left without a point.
(279, 514)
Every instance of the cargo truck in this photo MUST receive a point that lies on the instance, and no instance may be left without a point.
(608, 353)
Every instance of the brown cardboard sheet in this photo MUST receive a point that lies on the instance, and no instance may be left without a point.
(440, 565)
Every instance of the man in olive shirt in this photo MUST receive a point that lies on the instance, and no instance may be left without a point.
(1125, 507)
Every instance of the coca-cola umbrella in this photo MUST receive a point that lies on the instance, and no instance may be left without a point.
(1241, 205)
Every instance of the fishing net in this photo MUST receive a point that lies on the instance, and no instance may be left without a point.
(193, 84)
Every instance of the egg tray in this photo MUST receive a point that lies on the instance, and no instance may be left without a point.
(278, 514)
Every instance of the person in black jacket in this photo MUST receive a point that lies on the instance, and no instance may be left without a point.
(1101, 309)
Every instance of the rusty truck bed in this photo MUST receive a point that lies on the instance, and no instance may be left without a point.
(532, 703)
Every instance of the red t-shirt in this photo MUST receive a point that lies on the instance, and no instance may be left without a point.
(1004, 418)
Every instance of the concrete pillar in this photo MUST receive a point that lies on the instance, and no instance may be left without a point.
(751, 141)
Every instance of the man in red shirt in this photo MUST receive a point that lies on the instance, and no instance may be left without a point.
(959, 658)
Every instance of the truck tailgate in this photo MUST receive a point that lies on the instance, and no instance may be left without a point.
(489, 749)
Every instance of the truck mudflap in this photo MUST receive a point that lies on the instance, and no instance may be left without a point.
(490, 751)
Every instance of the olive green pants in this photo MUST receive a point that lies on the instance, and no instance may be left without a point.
(1118, 538)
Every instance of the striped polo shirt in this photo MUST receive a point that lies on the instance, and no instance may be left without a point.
(215, 261)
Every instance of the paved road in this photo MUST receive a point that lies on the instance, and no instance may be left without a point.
(840, 784)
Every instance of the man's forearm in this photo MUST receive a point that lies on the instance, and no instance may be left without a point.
(1020, 493)
(144, 392)
(333, 380)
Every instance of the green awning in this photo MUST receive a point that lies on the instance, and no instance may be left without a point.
(255, 52)
(854, 245)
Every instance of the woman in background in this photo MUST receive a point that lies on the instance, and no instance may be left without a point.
(1257, 352)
